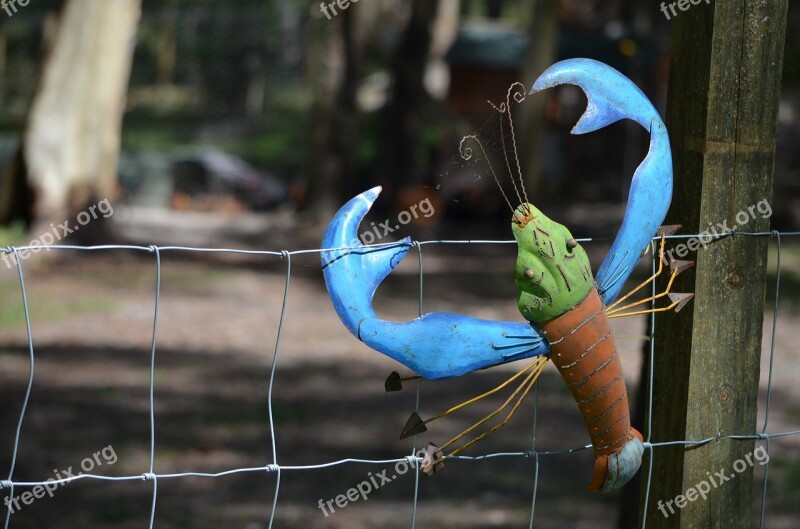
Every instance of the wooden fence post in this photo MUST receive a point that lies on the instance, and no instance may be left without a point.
(726, 70)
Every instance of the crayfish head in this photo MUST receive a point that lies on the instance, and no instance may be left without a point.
(552, 272)
(524, 214)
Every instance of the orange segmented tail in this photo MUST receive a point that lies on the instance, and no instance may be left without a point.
(583, 349)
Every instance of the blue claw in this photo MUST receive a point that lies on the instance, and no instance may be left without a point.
(612, 97)
(436, 345)
(441, 345)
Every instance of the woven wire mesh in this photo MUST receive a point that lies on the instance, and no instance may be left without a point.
(409, 461)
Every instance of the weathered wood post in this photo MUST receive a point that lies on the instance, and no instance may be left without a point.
(722, 109)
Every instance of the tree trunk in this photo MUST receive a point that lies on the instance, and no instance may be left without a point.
(494, 8)
(404, 112)
(72, 137)
(334, 71)
(539, 54)
(165, 49)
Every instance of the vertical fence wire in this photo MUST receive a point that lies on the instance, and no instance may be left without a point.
(534, 452)
(26, 309)
(649, 382)
(414, 446)
(775, 310)
(151, 474)
(535, 455)
(275, 464)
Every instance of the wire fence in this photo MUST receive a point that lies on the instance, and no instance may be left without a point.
(412, 460)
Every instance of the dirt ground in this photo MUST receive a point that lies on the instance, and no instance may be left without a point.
(92, 317)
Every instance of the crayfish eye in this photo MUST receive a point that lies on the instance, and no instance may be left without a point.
(530, 274)
(572, 243)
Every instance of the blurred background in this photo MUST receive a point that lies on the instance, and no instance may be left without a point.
(246, 124)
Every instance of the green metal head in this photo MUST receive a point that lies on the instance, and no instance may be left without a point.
(553, 273)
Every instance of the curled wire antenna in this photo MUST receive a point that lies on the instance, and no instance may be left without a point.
(516, 94)
(518, 97)
(466, 155)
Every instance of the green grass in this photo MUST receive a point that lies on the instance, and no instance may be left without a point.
(45, 308)
(172, 276)
(14, 234)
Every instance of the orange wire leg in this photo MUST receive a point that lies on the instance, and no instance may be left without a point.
(525, 388)
(649, 311)
(615, 312)
(646, 281)
(488, 393)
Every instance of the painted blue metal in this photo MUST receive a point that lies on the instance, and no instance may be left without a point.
(612, 97)
(442, 345)
(436, 345)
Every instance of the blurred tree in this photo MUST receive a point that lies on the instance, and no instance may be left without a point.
(540, 52)
(334, 71)
(71, 139)
(3, 61)
(494, 8)
(165, 48)
(405, 111)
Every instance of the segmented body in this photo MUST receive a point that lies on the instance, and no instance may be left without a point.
(583, 348)
(554, 284)
(558, 294)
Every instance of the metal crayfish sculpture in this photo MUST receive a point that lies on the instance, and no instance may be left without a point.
(566, 307)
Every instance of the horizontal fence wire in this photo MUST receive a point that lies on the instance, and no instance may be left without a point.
(413, 461)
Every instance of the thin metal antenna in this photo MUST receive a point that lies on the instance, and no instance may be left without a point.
(466, 154)
(505, 108)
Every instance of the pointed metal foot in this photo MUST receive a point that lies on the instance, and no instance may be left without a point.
(678, 301)
(668, 229)
(414, 426)
(676, 266)
(394, 382)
